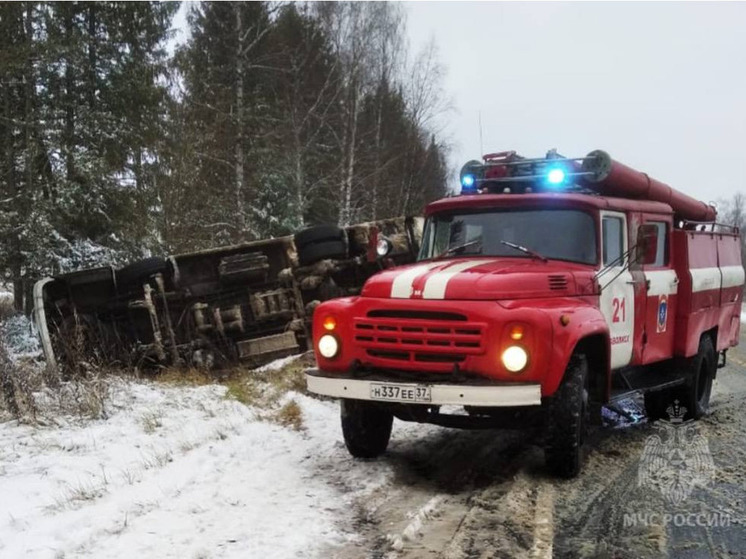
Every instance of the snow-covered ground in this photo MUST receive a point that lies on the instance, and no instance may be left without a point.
(179, 472)
(189, 472)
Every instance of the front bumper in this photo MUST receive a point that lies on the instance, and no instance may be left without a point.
(487, 395)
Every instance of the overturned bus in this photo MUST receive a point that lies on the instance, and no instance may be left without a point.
(248, 303)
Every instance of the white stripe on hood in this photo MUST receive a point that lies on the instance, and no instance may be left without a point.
(435, 286)
(401, 287)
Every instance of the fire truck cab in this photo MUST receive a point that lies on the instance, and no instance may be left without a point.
(553, 284)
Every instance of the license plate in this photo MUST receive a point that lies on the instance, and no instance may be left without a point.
(399, 392)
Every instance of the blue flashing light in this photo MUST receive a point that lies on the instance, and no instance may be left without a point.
(556, 176)
(467, 181)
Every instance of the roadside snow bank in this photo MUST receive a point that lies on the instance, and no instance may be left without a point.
(179, 472)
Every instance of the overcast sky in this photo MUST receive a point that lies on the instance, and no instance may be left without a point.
(660, 86)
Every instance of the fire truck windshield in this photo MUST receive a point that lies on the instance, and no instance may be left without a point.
(553, 234)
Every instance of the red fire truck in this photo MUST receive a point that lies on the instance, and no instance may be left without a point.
(553, 284)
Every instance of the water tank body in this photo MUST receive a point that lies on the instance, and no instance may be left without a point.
(611, 178)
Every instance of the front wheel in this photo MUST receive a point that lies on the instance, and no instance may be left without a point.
(366, 427)
(567, 414)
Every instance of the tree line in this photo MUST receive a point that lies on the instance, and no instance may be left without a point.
(269, 118)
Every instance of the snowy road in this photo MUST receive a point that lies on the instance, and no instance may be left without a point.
(186, 472)
(461, 495)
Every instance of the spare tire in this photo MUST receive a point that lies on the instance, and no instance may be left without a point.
(136, 272)
(320, 251)
(317, 234)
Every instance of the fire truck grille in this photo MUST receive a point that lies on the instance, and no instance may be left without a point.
(404, 338)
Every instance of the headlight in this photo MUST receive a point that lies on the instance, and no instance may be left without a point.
(383, 247)
(515, 358)
(328, 346)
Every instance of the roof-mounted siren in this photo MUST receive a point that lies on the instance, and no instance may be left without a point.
(470, 176)
(611, 178)
(508, 172)
(557, 170)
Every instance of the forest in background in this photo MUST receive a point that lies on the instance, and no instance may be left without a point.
(115, 145)
(270, 117)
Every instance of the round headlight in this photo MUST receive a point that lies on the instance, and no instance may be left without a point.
(383, 246)
(328, 346)
(515, 358)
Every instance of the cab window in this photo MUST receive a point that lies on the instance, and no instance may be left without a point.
(653, 234)
(613, 240)
(549, 233)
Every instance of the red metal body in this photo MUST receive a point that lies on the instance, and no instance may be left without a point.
(635, 315)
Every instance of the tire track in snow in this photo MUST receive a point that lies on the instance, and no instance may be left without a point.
(544, 523)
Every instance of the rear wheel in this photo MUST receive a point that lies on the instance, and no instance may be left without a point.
(320, 242)
(567, 415)
(310, 254)
(696, 396)
(318, 234)
(366, 427)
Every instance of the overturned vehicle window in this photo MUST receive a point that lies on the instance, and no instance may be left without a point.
(554, 234)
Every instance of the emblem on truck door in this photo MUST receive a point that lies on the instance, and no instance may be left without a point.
(662, 313)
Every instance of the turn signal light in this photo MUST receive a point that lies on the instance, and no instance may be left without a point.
(516, 333)
(329, 323)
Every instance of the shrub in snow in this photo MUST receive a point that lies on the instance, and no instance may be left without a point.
(32, 392)
(19, 335)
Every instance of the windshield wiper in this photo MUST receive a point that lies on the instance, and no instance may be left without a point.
(462, 246)
(526, 250)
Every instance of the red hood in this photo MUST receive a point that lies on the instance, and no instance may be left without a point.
(481, 279)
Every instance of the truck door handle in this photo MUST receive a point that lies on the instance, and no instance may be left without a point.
(633, 282)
